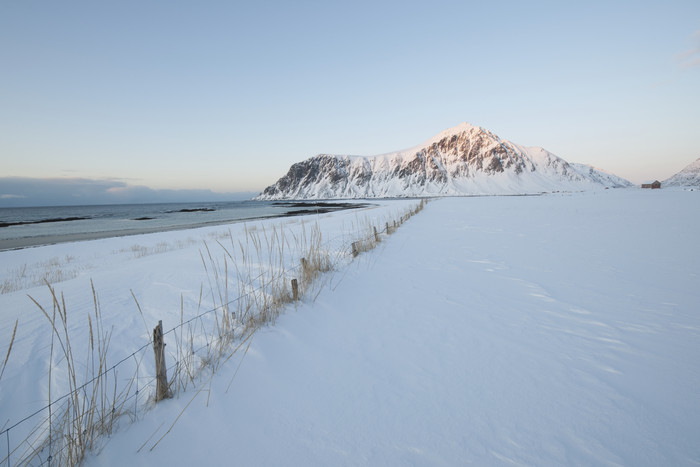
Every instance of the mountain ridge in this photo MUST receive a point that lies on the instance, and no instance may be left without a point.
(688, 176)
(461, 160)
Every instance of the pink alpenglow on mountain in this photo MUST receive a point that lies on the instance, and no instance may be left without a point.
(464, 160)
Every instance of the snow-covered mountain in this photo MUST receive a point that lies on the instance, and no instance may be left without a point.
(689, 176)
(462, 160)
(603, 177)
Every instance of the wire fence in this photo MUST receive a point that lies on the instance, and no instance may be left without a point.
(45, 442)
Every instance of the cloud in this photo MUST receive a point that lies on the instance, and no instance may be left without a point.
(691, 57)
(26, 191)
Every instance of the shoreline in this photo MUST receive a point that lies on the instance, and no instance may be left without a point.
(22, 243)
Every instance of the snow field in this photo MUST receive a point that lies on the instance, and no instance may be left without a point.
(177, 277)
(549, 330)
(553, 330)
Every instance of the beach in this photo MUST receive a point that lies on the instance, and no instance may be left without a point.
(46, 228)
(550, 330)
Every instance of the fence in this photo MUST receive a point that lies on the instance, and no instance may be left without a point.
(62, 431)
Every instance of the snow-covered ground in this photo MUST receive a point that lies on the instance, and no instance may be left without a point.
(549, 330)
(172, 276)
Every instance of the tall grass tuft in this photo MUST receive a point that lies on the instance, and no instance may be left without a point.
(92, 405)
(9, 349)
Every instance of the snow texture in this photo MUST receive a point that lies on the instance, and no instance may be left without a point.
(459, 161)
(528, 330)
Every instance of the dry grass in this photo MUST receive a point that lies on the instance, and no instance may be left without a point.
(60, 269)
(248, 284)
(9, 349)
(256, 271)
(139, 251)
(91, 406)
(53, 270)
(370, 233)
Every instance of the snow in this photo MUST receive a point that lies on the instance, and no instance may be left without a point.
(688, 177)
(463, 127)
(425, 170)
(528, 330)
(159, 269)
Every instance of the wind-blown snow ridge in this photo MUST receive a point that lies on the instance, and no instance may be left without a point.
(689, 176)
(463, 160)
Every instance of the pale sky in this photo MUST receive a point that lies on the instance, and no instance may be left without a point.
(225, 96)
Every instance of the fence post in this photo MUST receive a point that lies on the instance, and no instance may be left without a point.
(376, 235)
(387, 229)
(304, 269)
(354, 249)
(295, 290)
(162, 389)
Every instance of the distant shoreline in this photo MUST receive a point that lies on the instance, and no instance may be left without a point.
(37, 241)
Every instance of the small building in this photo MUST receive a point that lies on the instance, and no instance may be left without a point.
(651, 184)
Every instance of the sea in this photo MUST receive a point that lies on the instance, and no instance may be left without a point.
(33, 226)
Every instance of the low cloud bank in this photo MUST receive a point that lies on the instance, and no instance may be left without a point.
(24, 192)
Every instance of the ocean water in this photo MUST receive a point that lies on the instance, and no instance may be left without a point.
(22, 227)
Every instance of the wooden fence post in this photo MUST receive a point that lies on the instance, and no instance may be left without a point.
(295, 290)
(162, 389)
(304, 270)
(354, 249)
(376, 235)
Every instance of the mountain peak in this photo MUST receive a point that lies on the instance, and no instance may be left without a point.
(461, 160)
(464, 127)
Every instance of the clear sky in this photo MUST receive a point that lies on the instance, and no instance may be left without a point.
(225, 96)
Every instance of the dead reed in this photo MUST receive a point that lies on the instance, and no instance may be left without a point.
(248, 286)
(52, 270)
(92, 404)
